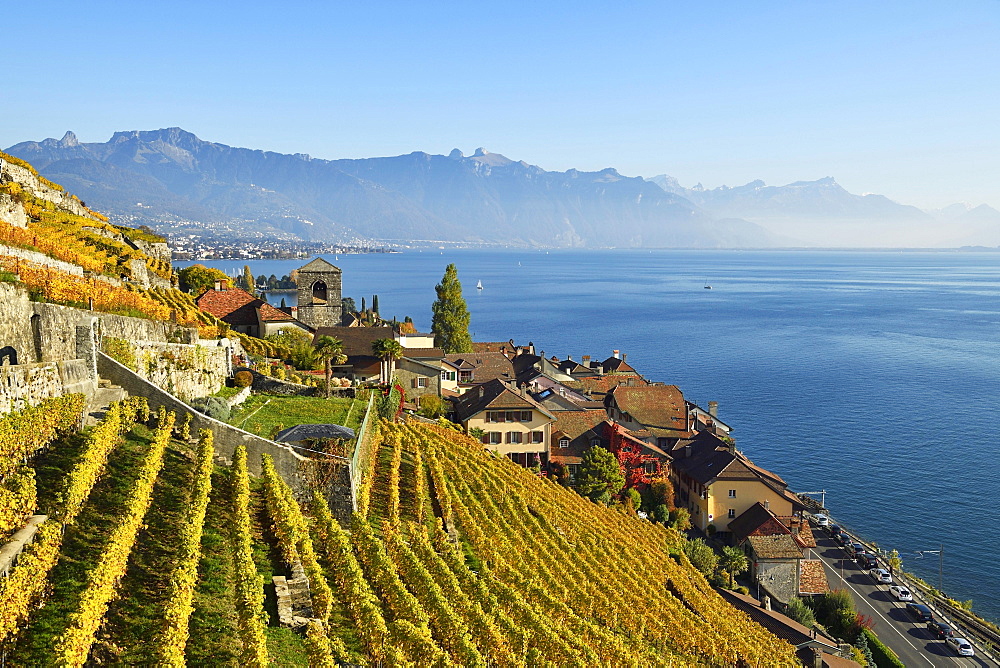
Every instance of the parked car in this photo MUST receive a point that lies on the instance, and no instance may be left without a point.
(821, 520)
(919, 612)
(833, 529)
(941, 630)
(842, 537)
(901, 593)
(881, 575)
(867, 560)
(854, 548)
(960, 646)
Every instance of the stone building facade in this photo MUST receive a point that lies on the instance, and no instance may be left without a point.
(319, 294)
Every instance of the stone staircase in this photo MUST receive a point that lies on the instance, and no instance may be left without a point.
(105, 395)
(294, 599)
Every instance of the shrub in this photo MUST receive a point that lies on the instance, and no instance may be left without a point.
(432, 406)
(800, 612)
(213, 407)
(243, 379)
(883, 656)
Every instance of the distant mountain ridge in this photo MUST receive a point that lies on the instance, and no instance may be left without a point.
(175, 182)
(822, 212)
(169, 178)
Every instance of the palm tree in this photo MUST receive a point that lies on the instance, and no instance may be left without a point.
(734, 562)
(332, 352)
(388, 350)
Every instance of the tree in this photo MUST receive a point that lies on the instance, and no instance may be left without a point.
(388, 350)
(248, 280)
(331, 350)
(800, 612)
(348, 305)
(701, 555)
(450, 322)
(375, 304)
(197, 278)
(734, 562)
(600, 473)
(363, 307)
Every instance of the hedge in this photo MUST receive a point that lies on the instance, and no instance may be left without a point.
(884, 657)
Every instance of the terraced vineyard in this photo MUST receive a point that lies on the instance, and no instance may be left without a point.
(153, 554)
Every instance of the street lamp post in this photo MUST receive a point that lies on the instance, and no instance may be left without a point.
(940, 553)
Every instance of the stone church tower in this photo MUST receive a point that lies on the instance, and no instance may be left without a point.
(319, 288)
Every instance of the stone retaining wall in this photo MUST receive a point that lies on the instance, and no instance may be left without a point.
(290, 465)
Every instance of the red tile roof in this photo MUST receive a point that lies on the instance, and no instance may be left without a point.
(812, 577)
(485, 366)
(238, 307)
(659, 408)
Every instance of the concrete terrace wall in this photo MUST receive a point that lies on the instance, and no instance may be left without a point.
(187, 371)
(41, 259)
(53, 336)
(291, 466)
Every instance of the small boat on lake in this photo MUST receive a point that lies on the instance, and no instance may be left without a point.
(479, 285)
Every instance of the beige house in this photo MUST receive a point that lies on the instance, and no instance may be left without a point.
(717, 483)
(512, 423)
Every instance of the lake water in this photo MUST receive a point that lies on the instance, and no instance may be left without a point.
(872, 375)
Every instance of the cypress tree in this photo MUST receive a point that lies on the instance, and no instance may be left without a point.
(450, 322)
(249, 280)
(375, 304)
(363, 308)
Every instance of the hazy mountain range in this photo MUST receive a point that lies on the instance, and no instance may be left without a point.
(174, 181)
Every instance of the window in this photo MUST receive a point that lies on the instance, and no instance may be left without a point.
(525, 416)
(419, 381)
(539, 437)
(514, 436)
(563, 442)
(447, 375)
(594, 442)
(465, 376)
(495, 416)
(492, 438)
(574, 472)
(732, 494)
(649, 467)
(732, 513)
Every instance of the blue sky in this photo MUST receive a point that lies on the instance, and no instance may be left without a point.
(901, 99)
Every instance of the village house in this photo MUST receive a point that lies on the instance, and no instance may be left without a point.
(245, 313)
(779, 550)
(573, 433)
(717, 483)
(472, 369)
(512, 423)
(654, 413)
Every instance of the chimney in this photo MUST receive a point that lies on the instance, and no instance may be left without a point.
(624, 357)
(616, 353)
(817, 657)
(767, 603)
(713, 408)
(531, 348)
(687, 451)
(586, 360)
(569, 358)
(221, 284)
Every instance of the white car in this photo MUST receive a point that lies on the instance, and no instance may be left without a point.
(881, 575)
(960, 646)
(821, 520)
(901, 593)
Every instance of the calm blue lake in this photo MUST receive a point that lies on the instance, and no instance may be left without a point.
(872, 375)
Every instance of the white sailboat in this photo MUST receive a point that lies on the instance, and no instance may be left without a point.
(479, 285)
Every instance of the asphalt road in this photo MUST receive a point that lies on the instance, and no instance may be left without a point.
(911, 641)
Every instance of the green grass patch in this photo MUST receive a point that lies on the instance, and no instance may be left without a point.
(265, 415)
(227, 392)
